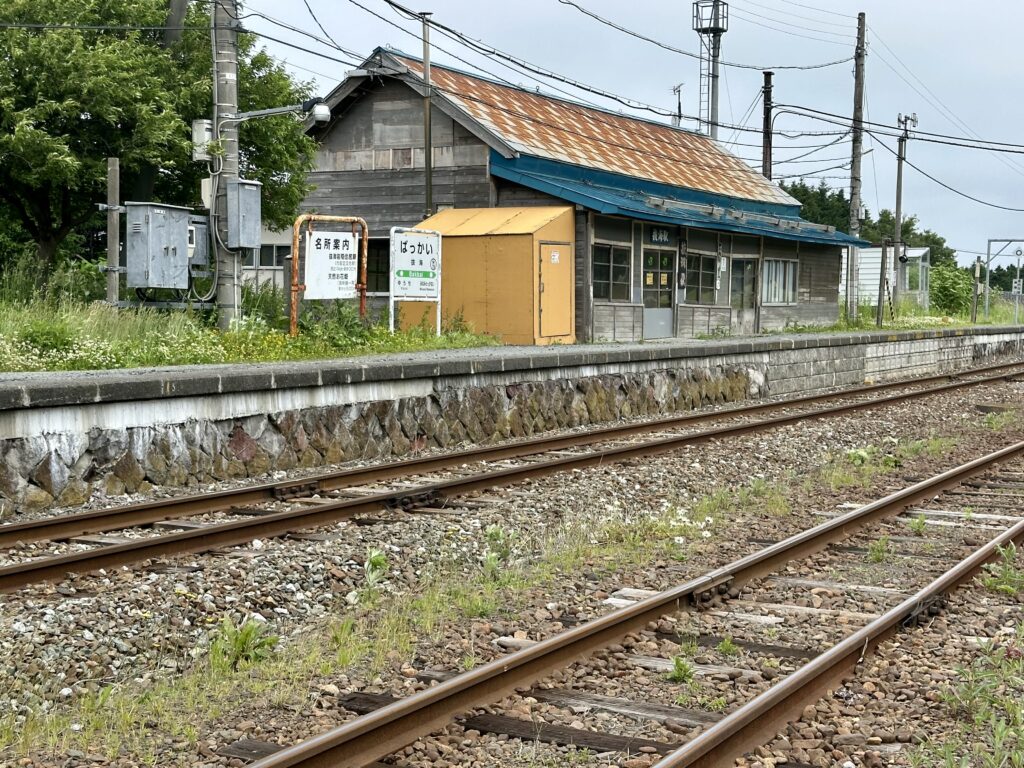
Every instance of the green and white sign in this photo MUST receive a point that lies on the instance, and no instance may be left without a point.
(415, 268)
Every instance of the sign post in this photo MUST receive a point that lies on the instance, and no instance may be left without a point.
(415, 269)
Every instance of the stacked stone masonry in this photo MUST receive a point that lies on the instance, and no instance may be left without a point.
(67, 439)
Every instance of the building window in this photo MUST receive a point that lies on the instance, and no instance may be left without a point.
(271, 256)
(378, 266)
(611, 272)
(700, 278)
(779, 282)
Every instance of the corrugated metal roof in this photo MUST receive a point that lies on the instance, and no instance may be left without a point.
(456, 222)
(542, 126)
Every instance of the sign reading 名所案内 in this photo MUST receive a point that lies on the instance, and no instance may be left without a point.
(415, 265)
(332, 265)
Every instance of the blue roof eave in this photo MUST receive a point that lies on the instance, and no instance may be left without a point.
(610, 193)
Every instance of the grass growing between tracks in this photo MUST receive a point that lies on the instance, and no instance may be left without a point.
(988, 703)
(860, 467)
(381, 632)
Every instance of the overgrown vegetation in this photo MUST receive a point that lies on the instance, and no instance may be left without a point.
(1006, 575)
(988, 701)
(65, 334)
(248, 643)
(859, 467)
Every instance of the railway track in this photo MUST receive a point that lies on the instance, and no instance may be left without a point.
(767, 686)
(238, 516)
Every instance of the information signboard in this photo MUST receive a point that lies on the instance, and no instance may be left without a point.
(1017, 284)
(415, 268)
(332, 265)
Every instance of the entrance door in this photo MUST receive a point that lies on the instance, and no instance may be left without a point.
(556, 289)
(658, 280)
(744, 280)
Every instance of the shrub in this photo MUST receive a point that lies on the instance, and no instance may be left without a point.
(950, 289)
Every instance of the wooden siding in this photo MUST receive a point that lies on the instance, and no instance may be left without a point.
(694, 320)
(370, 163)
(512, 195)
(618, 322)
(817, 291)
(584, 275)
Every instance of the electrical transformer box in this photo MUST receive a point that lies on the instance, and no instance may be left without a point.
(157, 247)
(244, 215)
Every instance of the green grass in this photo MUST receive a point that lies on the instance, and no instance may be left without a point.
(682, 670)
(987, 702)
(1006, 575)
(860, 467)
(879, 550)
(65, 334)
(917, 525)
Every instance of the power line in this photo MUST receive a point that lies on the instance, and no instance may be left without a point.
(673, 49)
(948, 186)
(490, 51)
(820, 147)
(815, 171)
(777, 20)
(818, 10)
(755, 22)
(844, 24)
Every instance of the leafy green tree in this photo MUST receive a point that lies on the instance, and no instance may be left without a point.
(824, 205)
(71, 97)
(950, 289)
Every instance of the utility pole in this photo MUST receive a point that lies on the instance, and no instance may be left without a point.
(974, 289)
(766, 131)
(225, 102)
(428, 153)
(716, 53)
(852, 259)
(113, 230)
(900, 247)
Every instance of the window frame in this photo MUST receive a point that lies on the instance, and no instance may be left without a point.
(701, 272)
(612, 246)
(370, 275)
(794, 282)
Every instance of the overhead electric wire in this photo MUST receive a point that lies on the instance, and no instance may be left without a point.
(691, 54)
(776, 20)
(490, 51)
(949, 186)
(745, 120)
(811, 160)
(797, 158)
(757, 23)
(844, 24)
(815, 171)
(818, 10)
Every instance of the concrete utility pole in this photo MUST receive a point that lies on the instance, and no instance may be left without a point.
(225, 102)
(113, 230)
(716, 54)
(898, 244)
(853, 257)
(766, 130)
(428, 153)
(677, 119)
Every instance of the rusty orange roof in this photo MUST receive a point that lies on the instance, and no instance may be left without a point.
(535, 124)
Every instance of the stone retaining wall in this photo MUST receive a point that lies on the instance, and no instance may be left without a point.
(65, 438)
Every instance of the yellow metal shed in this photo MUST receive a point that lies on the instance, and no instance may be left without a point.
(507, 271)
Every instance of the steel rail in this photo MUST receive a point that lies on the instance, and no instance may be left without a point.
(761, 718)
(95, 521)
(384, 731)
(13, 577)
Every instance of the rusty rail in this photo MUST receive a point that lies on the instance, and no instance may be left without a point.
(64, 526)
(372, 736)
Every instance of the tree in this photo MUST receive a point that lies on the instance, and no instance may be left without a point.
(824, 205)
(70, 98)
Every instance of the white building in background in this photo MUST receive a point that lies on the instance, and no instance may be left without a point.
(272, 262)
(915, 283)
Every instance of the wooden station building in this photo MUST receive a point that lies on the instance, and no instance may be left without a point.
(672, 234)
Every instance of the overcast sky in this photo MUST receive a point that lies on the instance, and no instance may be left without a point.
(958, 68)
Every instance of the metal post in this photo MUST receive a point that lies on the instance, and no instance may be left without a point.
(852, 259)
(677, 120)
(882, 269)
(974, 288)
(113, 230)
(1016, 294)
(225, 97)
(988, 269)
(428, 158)
(716, 53)
(766, 130)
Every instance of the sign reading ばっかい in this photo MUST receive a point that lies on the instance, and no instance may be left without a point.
(332, 265)
(415, 268)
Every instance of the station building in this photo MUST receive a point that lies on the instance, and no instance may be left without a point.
(672, 236)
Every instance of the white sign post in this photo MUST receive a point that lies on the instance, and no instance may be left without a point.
(332, 265)
(415, 269)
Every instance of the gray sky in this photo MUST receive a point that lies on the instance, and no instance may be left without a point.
(919, 60)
